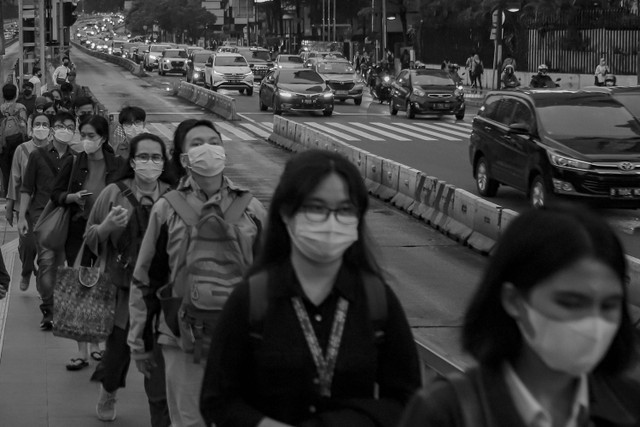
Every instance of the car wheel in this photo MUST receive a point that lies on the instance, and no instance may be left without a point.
(460, 114)
(487, 187)
(409, 111)
(241, 90)
(327, 113)
(539, 196)
(250, 92)
(263, 106)
(358, 101)
(392, 110)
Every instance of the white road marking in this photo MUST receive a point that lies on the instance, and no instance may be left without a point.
(402, 131)
(424, 131)
(356, 132)
(380, 132)
(234, 130)
(457, 127)
(443, 129)
(257, 130)
(331, 131)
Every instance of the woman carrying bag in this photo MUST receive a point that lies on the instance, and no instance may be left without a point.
(117, 223)
(77, 186)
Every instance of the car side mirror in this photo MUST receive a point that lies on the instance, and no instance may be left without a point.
(519, 129)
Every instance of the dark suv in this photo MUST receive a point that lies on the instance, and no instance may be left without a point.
(549, 143)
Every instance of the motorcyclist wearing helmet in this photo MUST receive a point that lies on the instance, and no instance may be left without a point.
(453, 73)
(610, 80)
(542, 79)
(509, 79)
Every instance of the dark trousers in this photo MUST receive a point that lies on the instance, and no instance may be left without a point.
(27, 251)
(112, 369)
(157, 391)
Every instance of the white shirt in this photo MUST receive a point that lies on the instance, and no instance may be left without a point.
(60, 72)
(532, 413)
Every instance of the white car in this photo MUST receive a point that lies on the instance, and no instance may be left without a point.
(228, 71)
(152, 55)
(172, 61)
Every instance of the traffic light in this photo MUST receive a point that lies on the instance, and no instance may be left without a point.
(69, 14)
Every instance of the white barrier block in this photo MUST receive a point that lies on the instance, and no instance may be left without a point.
(486, 226)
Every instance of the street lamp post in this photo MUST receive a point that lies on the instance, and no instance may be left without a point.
(383, 31)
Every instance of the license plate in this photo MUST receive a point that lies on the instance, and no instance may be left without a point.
(441, 106)
(624, 192)
(342, 92)
(308, 101)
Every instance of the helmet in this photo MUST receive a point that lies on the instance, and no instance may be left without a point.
(610, 80)
(509, 67)
(543, 67)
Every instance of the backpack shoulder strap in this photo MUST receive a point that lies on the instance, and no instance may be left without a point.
(128, 193)
(184, 210)
(377, 301)
(237, 207)
(468, 398)
(258, 302)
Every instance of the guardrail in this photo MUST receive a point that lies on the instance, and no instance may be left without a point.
(222, 105)
(136, 69)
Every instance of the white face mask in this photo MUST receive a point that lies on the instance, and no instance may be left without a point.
(322, 242)
(574, 347)
(149, 171)
(41, 133)
(133, 131)
(63, 135)
(207, 159)
(91, 146)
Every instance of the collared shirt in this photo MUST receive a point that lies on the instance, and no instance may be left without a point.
(18, 168)
(60, 73)
(533, 414)
(39, 179)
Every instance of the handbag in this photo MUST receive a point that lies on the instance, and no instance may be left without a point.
(52, 226)
(84, 301)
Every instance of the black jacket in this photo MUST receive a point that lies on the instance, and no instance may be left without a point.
(613, 402)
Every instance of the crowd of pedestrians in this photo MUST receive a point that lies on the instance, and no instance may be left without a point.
(239, 316)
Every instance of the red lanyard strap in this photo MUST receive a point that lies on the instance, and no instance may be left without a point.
(325, 365)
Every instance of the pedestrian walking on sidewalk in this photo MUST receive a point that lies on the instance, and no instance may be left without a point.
(550, 329)
(477, 69)
(171, 244)
(314, 336)
(116, 225)
(40, 175)
(27, 250)
(77, 187)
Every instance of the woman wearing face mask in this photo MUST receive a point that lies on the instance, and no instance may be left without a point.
(49, 109)
(40, 136)
(115, 229)
(550, 330)
(162, 259)
(93, 170)
(303, 342)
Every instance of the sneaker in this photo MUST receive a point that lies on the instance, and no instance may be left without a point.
(106, 407)
(24, 282)
(47, 323)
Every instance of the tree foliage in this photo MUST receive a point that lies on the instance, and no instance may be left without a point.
(171, 15)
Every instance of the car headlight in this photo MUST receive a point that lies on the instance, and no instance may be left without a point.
(196, 75)
(152, 57)
(197, 69)
(419, 92)
(328, 95)
(387, 79)
(285, 94)
(567, 162)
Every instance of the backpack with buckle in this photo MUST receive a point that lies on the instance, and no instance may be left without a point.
(13, 130)
(218, 254)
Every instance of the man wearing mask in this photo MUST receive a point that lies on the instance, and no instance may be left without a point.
(35, 80)
(62, 72)
(83, 108)
(206, 187)
(76, 90)
(28, 98)
(39, 177)
(132, 123)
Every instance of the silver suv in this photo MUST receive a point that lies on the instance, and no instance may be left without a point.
(228, 71)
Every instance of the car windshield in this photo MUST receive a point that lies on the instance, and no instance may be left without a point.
(262, 55)
(175, 54)
(158, 48)
(631, 101)
(436, 78)
(292, 59)
(581, 120)
(300, 77)
(335, 68)
(201, 57)
(231, 61)
(330, 55)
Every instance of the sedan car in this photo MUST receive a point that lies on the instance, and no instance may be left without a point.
(288, 61)
(581, 145)
(295, 90)
(172, 61)
(195, 65)
(343, 80)
(425, 91)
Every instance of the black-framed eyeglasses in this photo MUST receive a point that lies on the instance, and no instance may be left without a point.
(72, 128)
(317, 213)
(144, 158)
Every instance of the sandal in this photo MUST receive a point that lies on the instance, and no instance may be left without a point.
(77, 364)
(97, 355)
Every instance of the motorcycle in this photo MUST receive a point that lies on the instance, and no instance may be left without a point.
(382, 89)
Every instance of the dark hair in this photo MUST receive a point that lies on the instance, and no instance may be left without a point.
(131, 114)
(178, 142)
(62, 116)
(36, 70)
(34, 116)
(66, 87)
(48, 96)
(9, 91)
(537, 245)
(28, 84)
(127, 171)
(100, 124)
(302, 175)
(55, 89)
(81, 101)
(66, 57)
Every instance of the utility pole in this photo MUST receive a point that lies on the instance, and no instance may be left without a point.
(335, 12)
(383, 28)
(322, 30)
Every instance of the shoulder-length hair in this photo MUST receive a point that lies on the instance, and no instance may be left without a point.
(100, 124)
(537, 245)
(302, 175)
(127, 171)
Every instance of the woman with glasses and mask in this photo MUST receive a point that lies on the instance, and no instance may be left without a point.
(314, 337)
(550, 329)
(77, 186)
(115, 228)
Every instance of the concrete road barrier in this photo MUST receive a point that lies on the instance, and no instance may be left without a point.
(390, 177)
(409, 187)
(462, 216)
(486, 226)
(373, 176)
(506, 217)
(445, 194)
(222, 105)
(427, 200)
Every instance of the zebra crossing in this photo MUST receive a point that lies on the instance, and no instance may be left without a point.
(347, 131)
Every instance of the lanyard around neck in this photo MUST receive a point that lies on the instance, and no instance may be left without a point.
(325, 365)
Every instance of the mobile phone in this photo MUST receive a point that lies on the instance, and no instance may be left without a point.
(86, 194)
